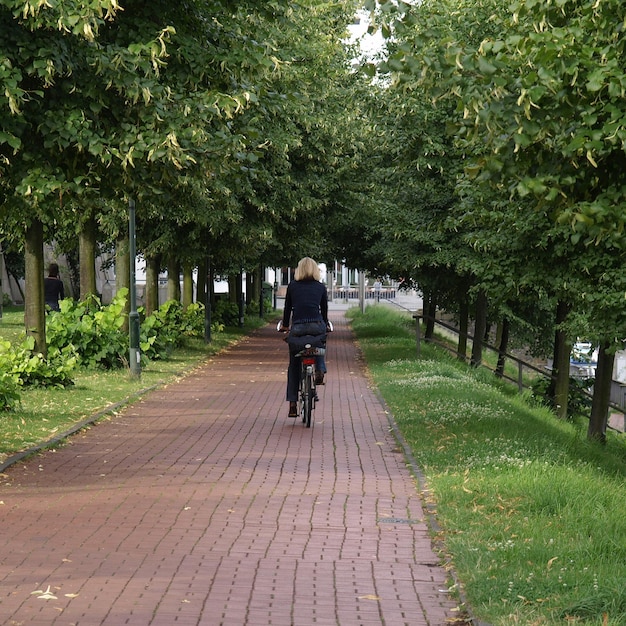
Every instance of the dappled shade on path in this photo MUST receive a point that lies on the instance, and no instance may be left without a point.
(205, 504)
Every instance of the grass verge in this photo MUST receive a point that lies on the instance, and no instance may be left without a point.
(531, 513)
(45, 413)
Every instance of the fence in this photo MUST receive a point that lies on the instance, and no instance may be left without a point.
(520, 363)
(352, 293)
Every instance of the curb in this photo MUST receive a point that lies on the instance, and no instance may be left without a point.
(49, 443)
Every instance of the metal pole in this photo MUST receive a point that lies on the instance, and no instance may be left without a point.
(242, 304)
(207, 303)
(133, 317)
(262, 291)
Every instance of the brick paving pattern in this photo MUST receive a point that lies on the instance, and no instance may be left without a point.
(204, 504)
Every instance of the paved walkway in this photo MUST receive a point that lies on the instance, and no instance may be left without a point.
(203, 504)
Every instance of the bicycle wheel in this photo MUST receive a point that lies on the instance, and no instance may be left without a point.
(301, 394)
(307, 400)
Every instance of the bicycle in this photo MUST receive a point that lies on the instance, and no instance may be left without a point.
(307, 394)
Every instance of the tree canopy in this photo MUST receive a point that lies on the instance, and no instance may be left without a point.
(530, 103)
(483, 162)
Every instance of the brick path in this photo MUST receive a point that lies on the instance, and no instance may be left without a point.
(203, 504)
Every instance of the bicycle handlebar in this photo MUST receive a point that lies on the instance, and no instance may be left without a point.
(280, 328)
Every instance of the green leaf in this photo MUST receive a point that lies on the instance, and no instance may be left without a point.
(485, 66)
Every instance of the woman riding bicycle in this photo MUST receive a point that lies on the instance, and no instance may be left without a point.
(306, 306)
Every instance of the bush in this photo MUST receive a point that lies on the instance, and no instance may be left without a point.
(57, 370)
(578, 401)
(194, 319)
(9, 379)
(168, 327)
(92, 335)
(225, 312)
(20, 366)
(94, 331)
(160, 333)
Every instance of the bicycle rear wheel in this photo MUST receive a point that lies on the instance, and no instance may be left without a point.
(308, 400)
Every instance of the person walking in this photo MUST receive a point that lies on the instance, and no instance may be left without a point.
(305, 313)
(53, 287)
(377, 287)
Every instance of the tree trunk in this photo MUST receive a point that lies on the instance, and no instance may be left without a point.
(87, 258)
(258, 283)
(234, 288)
(480, 325)
(16, 280)
(558, 391)
(173, 278)
(211, 286)
(122, 271)
(34, 305)
(187, 296)
(251, 283)
(151, 294)
(601, 395)
(461, 349)
(503, 343)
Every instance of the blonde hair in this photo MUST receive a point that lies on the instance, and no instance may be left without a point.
(307, 268)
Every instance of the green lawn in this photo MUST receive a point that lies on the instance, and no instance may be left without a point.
(45, 413)
(532, 515)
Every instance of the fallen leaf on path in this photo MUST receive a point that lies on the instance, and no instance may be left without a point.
(44, 595)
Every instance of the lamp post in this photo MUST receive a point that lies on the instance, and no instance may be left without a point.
(133, 317)
(207, 301)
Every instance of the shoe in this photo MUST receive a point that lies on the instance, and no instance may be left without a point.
(319, 378)
(293, 409)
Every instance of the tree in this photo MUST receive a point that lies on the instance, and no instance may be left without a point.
(151, 119)
(555, 133)
(52, 102)
(538, 101)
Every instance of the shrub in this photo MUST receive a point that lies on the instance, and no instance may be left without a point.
(34, 370)
(160, 332)
(579, 399)
(225, 312)
(95, 331)
(92, 335)
(20, 366)
(9, 379)
(193, 320)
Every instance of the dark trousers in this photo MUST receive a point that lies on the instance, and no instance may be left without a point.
(293, 371)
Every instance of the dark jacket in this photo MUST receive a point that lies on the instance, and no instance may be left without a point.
(53, 291)
(305, 301)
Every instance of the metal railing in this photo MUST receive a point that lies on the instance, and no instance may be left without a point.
(520, 364)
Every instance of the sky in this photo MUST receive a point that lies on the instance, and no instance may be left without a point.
(370, 44)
